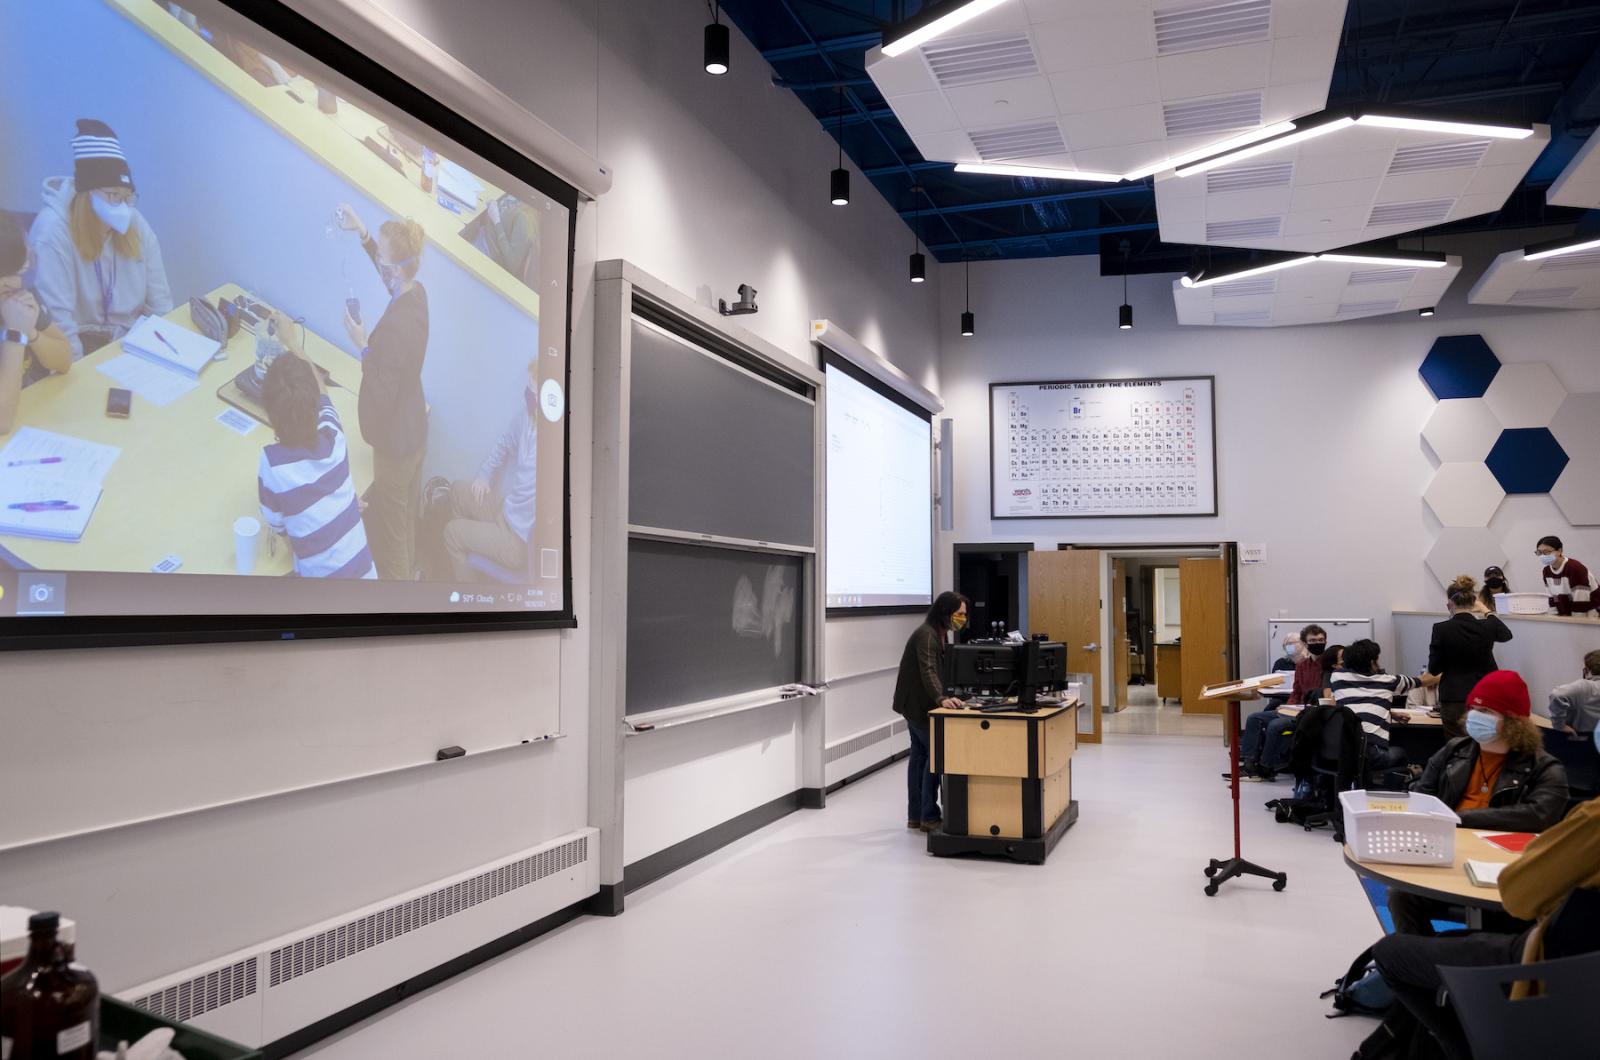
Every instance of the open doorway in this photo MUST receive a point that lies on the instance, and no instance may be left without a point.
(994, 576)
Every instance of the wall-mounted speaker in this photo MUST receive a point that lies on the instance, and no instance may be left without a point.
(947, 474)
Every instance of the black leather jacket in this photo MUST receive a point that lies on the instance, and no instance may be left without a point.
(1530, 794)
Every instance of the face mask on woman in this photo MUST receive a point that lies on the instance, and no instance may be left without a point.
(1291, 650)
(958, 622)
(1547, 560)
(117, 216)
(1482, 726)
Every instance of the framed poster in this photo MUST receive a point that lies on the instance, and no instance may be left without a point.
(1103, 448)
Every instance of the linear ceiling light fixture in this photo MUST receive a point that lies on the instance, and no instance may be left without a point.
(1297, 136)
(1233, 143)
(1200, 278)
(1421, 260)
(932, 21)
(716, 43)
(1551, 250)
(1459, 128)
(1004, 169)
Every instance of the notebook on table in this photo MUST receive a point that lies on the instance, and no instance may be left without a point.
(1484, 873)
(45, 506)
(160, 340)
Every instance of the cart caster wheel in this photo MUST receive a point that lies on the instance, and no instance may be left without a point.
(1211, 890)
(1211, 871)
(1281, 882)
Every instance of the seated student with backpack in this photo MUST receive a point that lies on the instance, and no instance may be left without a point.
(1265, 742)
(1361, 685)
(1498, 777)
(1556, 883)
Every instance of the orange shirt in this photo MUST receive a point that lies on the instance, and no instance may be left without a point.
(1481, 784)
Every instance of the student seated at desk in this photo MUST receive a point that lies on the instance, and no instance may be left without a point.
(305, 475)
(1575, 706)
(1266, 741)
(1361, 685)
(1498, 776)
(31, 345)
(1308, 683)
(1556, 883)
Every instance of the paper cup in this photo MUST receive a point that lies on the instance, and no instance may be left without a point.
(246, 538)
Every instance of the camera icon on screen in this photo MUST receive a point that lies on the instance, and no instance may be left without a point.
(41, 594)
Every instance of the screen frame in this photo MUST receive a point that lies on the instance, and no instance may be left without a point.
(833, 359)
(1216, 485)
(31, 633)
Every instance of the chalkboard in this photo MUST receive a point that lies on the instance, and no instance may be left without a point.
(1098, 448)
(707, 622)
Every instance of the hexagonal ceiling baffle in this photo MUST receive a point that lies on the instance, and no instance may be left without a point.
(1574, 491)
(1526, 460)
(1525, 395)
(1463, 495)
(1461, 429)
(1464, 550)
(1459, 366)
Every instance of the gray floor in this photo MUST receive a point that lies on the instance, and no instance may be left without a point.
(1147, 716)
(834, 934)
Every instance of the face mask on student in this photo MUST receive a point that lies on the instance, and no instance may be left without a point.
(1547, 561)
(1483, 727)
(118, 216)
(1291, 650)
(1315, 648)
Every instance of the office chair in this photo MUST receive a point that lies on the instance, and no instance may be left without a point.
(1498, 1028)
(1339, 764)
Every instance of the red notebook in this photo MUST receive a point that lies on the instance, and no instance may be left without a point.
(1511, 841)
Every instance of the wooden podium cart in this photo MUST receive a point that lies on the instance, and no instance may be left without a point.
(1232, 693)
(1006, 780)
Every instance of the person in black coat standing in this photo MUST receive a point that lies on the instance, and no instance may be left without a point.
(919, 688)
(1461, 652)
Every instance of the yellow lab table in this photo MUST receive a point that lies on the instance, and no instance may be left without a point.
(182, 478)
(1007, 779)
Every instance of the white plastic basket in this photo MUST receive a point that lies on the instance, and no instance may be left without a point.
(1521, 603)
(1402, 828)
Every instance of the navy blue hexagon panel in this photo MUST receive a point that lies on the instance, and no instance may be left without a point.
(1527, 460)
(1459, 366)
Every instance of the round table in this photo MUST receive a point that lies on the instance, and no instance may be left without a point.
(1446, 883)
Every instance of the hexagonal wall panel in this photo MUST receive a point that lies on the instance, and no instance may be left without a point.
(1575, 493)
(1461, 550)
(1577, 425)
(1463, 495)
(1461, 429)
(1525, 395)
(1459, 366)
(1526, 460)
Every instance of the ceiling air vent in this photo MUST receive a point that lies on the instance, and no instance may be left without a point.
(1247, 178)
(1249, 228)
(1243, 316)
(972, 62)
(1588, 259)
(1254, 285)
(1018, 141)
(1367, 309)
(1541, 295)
(1192, 29)
(1453, 155)
(1417, 214)
(1364, 277)
(1188, 117)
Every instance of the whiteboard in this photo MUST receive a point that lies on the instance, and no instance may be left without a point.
(1077, 449)
(1344, 631)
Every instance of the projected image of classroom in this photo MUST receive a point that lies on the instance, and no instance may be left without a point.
(262, 331)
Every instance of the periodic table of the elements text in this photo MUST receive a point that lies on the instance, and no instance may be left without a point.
(1105, 447)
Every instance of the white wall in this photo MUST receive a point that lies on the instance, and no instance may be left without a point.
(1320, 453)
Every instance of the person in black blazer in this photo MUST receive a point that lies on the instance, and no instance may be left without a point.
(1462, 651)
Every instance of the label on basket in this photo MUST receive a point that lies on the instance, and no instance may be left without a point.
(1386, 805)
(73, 1038)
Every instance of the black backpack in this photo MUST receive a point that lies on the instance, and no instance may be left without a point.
(1361, 990)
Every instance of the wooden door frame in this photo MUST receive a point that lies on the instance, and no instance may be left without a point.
(1228, 550)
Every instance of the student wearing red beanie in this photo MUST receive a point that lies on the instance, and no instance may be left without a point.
(1498, 776)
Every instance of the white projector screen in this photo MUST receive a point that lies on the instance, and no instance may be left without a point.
(880, 494)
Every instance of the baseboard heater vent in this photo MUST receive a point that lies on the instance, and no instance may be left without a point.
(864, 740)
(204, 993)
(316, 951)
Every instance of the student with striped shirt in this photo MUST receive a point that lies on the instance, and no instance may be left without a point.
(305, 485)
(1362, 686)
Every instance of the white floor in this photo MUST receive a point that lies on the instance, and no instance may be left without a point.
(1145, 715)
(833, 934)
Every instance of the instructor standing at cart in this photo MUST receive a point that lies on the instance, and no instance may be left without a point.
(918, 689)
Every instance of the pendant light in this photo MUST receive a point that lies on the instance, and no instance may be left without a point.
(919, 263)
(1125, 311)
(968, 321)
(839, 179)
(716, 43)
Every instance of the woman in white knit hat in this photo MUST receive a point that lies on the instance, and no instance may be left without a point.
(97, 260)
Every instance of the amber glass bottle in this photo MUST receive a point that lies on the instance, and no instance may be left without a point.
(49, 1007)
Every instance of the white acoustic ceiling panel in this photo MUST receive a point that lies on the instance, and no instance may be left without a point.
(1566, 281)
(1359, 183)
(1126, 85)
(1314, 291)
(1579, 183)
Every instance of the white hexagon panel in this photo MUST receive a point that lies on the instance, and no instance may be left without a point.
(1525, 395)
(1461, 429)
(1577, 425)
(1464, 550)
(1577, 428)
(1464, 494)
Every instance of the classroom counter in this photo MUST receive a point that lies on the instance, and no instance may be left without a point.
(1547, 650)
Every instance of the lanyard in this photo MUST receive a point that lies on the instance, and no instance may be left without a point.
(106, 289)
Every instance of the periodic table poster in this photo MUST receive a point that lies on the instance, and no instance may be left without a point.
(1104, 447)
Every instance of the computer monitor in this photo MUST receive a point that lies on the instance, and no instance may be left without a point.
(1042, 666)
(1006, 669)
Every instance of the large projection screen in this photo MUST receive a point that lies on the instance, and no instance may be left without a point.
(880, 493)
(337, 313)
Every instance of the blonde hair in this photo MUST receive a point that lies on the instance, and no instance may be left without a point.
(1463, 583)
(89, 232)
(404, 240)
(1521, 735)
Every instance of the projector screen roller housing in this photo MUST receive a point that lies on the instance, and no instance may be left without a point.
(341, 311)
(880, 494)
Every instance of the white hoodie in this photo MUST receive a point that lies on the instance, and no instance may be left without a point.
(67, 284)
